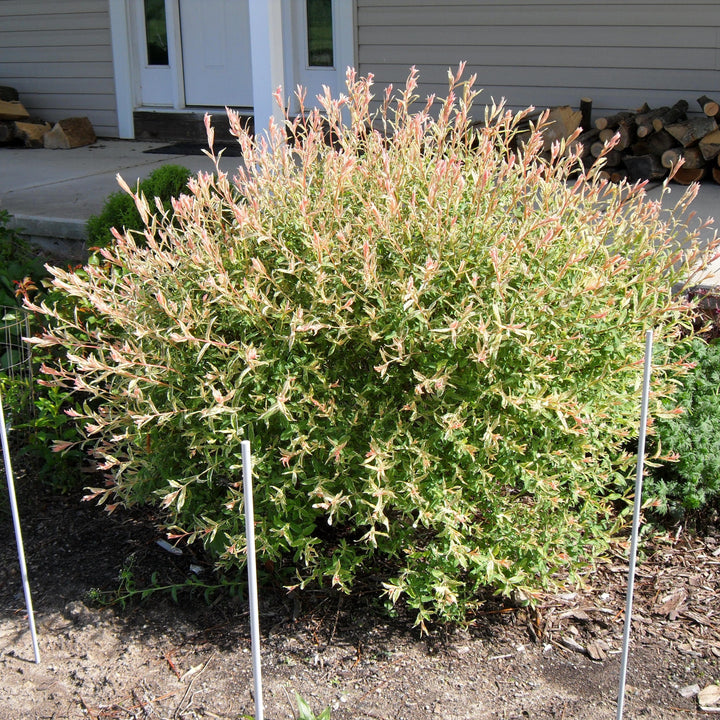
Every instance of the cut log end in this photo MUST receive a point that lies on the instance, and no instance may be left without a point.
(612, 121)
(31, 134)
(13, 110)
(688, 176)
(709, 106)
(692, 158)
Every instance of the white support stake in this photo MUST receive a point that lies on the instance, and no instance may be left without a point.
(18, 532)
(637, 503)
(252, 576)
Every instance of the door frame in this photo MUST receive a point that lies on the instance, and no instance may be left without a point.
(295, 47)
(126, 54)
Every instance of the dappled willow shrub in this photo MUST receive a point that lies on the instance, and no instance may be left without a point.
(433, 341)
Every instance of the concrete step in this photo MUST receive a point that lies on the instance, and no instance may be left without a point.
(183, 126)
(58, 239)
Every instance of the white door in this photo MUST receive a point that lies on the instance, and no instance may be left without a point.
(323, 45)
(215, 39)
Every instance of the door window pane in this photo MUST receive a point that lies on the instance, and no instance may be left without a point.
(156, 32)
(319, 33)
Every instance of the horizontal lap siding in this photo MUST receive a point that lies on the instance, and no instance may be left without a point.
(58, 54)
(541, 53)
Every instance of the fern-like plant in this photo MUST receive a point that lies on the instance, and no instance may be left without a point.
(689, 437)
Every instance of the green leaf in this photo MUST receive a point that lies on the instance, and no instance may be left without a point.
(304, 710)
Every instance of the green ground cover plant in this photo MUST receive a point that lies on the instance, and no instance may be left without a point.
(690, 436)
(432, 338)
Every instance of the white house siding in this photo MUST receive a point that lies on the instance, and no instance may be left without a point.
(58, 55)
(620, 53)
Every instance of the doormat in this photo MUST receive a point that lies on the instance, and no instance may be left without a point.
(231, 149)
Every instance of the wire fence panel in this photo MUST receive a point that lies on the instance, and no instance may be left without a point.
(16, 367)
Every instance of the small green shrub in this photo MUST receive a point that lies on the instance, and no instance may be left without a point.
(434, 342)
(120, 211)
(690, 436)
(54, 441)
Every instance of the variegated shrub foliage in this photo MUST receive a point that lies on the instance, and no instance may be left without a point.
(433, 340)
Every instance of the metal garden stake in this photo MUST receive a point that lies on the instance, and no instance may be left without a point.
(18, 532)
(636, 521)
(252, 576)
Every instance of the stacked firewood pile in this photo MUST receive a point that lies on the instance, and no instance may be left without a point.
(18, 127)
(647, 143)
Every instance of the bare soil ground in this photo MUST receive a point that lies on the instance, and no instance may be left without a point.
(160, 659)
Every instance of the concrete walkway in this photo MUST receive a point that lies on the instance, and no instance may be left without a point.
(52, 193)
